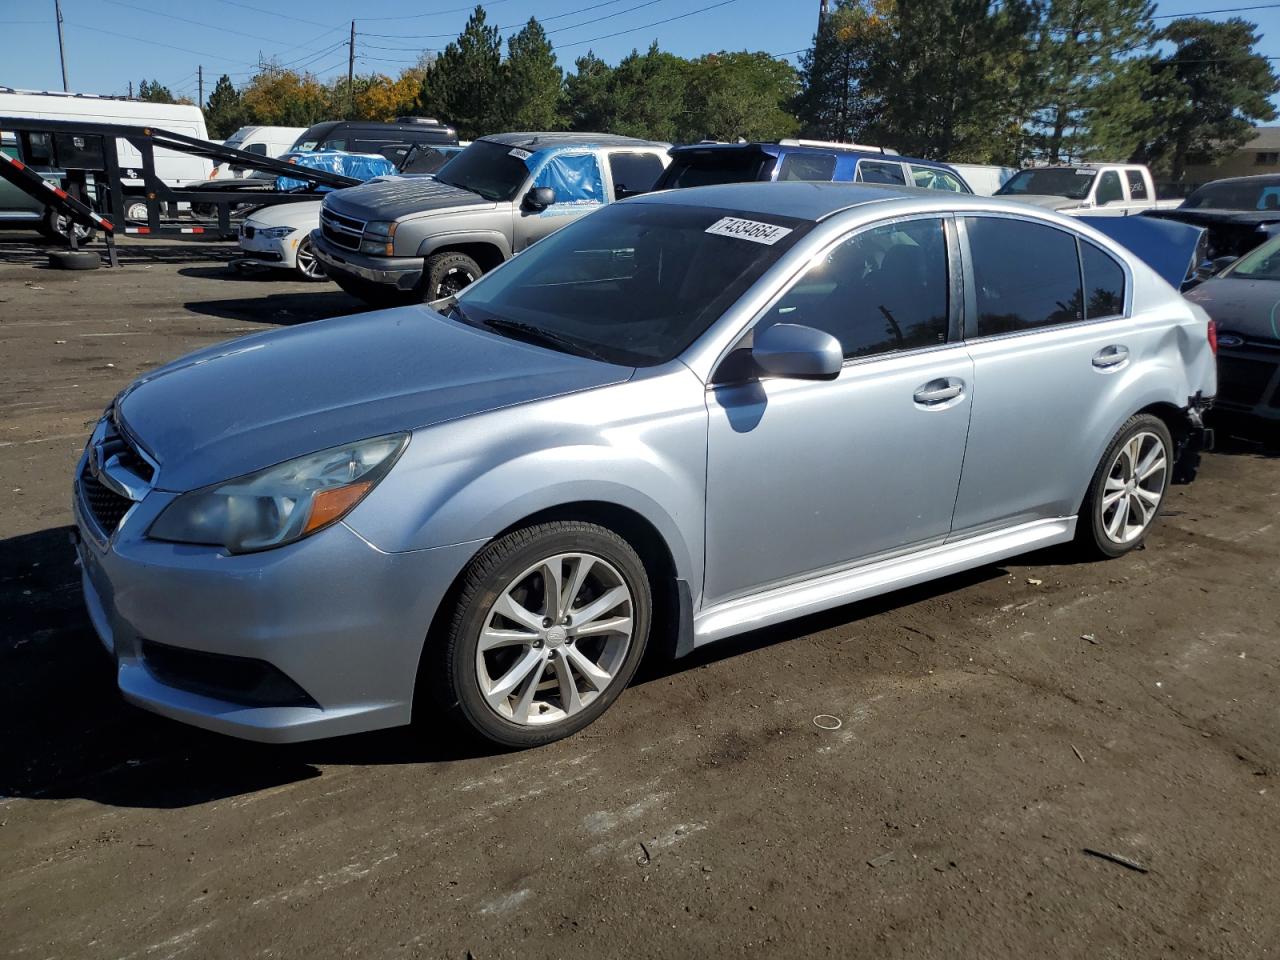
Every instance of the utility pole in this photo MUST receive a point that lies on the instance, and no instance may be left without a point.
(130, 89)
(200, 85)
(351, 71)
(62, 50)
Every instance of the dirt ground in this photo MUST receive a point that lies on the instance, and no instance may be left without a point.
(984, 742)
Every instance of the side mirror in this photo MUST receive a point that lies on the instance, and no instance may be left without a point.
(796, 352)
(1221, 263)
(539, 198)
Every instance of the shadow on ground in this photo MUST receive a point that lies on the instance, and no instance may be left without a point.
(69, 734)
(29, 249)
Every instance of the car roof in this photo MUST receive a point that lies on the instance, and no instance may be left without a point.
(818, 200)
(543, 140)
(1254, 178)
(777, 149)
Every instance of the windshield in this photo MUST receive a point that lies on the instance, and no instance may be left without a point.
(1261, 263)
(1069, 182)
(633, 283)
(1236, 195)
(488, 169)
(708, 167)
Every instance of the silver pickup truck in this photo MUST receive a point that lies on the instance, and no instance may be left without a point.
(424, 239)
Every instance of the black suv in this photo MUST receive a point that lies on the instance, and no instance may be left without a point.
(392, 140)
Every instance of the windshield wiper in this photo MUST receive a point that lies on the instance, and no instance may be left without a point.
(546, 337)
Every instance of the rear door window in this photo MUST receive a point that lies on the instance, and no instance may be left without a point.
(807, 166)
(696, 168)
(1026, 276)
(880, 171)
(633, 173)
(932, 178)
(882, 290)
(1103, 283)
(1137, 185)
(258, 148)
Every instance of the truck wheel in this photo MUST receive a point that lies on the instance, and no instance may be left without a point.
(54, 227)
(447, 274)
(135, 210)
(74, 260)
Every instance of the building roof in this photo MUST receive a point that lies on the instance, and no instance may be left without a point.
(1264, 138)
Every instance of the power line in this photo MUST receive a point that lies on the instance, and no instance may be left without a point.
(656, 23)
(511, 26)
(157, 43)
(197, 23)
(423, 16)
(1205, 13)
(272, 13)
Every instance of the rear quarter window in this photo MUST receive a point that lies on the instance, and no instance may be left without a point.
(1103, 283)
(880, 171)
(802, 166)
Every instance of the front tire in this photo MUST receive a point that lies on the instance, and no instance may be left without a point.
(448, 274)
(549, 627)
(1127, 489)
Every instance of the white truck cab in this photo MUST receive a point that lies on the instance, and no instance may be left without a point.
(1098, 189)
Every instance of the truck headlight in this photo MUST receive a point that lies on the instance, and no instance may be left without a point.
(278, 233)
(379, 238)
(283, 503)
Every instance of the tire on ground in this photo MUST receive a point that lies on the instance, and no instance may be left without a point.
(448, 670)
(74, 260)
(1091, 537)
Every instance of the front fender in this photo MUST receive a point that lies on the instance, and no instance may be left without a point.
(451, 238)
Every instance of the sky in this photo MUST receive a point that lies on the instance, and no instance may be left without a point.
(111, 42)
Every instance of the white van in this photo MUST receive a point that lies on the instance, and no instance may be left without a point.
(264, 141)
(175, 169)
(984, 178)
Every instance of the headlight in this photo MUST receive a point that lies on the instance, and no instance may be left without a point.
(283, 503)
(278, 233)
(379, 238)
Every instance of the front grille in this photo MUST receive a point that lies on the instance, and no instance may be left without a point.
(1243, 381)
(342, 231)
(107, 507)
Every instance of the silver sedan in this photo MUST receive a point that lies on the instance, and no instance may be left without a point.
(688, 415)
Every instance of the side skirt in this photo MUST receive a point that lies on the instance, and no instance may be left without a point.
(871, 579)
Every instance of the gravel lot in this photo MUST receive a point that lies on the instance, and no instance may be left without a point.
(984, 744)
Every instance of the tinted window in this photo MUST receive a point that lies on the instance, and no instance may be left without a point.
(423, 159)
(259, 148)
(633, 283)
(802, 166)
(877, 171)
(486, 168)
(932, 178)
(1250, 194)
(1026, 275)
(705, 167)
(1109, 188)
(633, 173)
(1068, 182)
(1137, 185)
(1103, 281)
(883, 289)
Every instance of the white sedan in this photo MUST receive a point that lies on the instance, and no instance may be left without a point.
(280, 236)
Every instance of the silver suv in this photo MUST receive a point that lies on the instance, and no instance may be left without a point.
(423, 239)
(692, 414)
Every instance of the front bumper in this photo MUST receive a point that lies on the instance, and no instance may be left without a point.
(343, 621)
(402, 273)
(1249, 380)
(268, 251)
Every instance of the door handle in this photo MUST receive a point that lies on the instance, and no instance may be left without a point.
(937, 392)
(1110, 357)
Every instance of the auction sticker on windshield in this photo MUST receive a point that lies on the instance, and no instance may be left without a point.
(753, 230)
(519, 154)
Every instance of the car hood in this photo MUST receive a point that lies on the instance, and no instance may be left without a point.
(1048, 201)
(253, 402)
(1250, 308)
(402, 197)
(305, 214)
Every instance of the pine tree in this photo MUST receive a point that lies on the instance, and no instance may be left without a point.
(462, 86)
(835, 101)
(224, 114)
(532, 82)
(1082, 46)
(586, 95)
(647, 92)
(741, 94)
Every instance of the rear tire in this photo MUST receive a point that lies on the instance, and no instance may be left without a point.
(447, 274)
(1127, 490)
(309, 266)
(563, 656)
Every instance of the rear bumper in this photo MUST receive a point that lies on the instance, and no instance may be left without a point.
(1193, 441)
(401, 273)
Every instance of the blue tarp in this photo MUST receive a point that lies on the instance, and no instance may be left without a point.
(574, 177)
(360, 166)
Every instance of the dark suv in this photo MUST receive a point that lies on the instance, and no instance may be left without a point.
(392, 140)
(701, 164)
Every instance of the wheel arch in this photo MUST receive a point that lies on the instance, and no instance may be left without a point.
(487, 250)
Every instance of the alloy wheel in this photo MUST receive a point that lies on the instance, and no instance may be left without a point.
(1134, 488)
(309, 264)
(454, 282)
(555, 639)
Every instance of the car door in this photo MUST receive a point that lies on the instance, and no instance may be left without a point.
(1051, 353)
(805, 476)
(576, 179)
